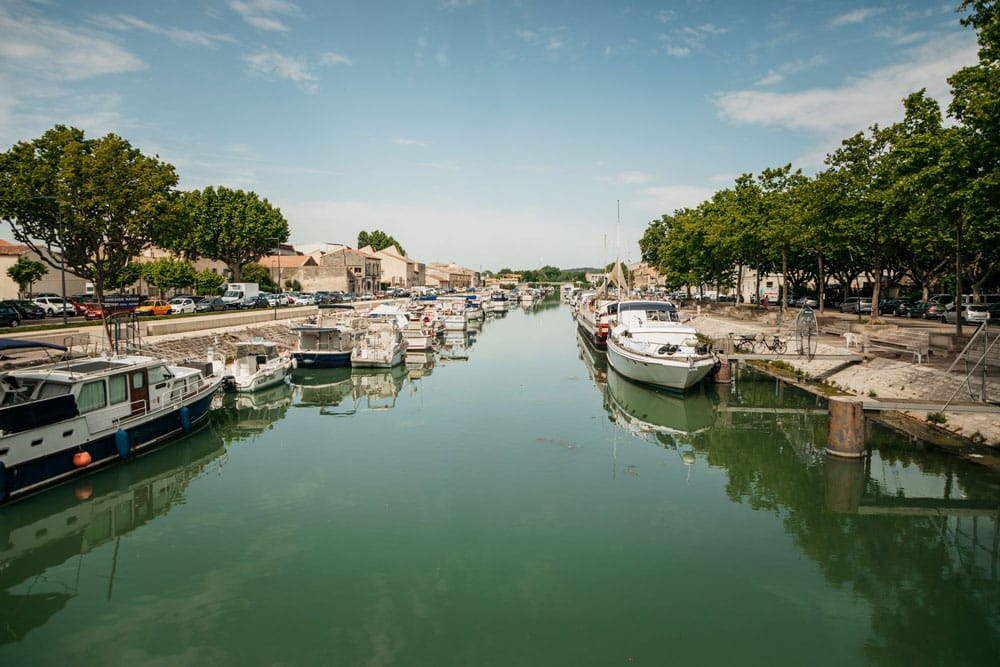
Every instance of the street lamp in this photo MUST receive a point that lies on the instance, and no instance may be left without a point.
(277, 296)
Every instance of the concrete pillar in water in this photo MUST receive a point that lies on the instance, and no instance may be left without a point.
(844, 482)
(724, 373)
(846, 436)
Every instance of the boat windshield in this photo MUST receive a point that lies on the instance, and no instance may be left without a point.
(650, 311)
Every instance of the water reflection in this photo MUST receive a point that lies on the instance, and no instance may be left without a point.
(642, 411)
(342, 392)
(41, 533)
(238, 417)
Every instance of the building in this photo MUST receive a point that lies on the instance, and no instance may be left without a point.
(398, 270)
(51, 282)
(285, 269)
(459, 278)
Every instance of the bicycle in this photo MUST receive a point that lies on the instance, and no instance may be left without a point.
(743, 343)
(774, 344)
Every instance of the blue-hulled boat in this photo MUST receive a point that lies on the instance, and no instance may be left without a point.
(64, 419)
(328, 342)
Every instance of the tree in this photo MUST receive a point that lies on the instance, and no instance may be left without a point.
(255, 273)
(208, 282)
(231, 226)
(378, 240)
(95, 202)
(25, 272)
(168, 273)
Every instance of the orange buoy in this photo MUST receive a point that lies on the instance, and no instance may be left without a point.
(81, 459)
(84, 492)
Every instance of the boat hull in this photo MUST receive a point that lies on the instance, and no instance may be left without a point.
(321, 359)
(104, 449)
(677, 374)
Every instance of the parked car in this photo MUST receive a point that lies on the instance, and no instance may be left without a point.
(971, 313)
(9, 317)
(26, 310)
(304, 300)
(347, 296)
(892, 306)
(935, 311)
(259, 301)
(209, 304)
(154, 307)
(179, 305)
(96, 312)
(856, 304)
(54, 305)
(806, 301)
(993, 311)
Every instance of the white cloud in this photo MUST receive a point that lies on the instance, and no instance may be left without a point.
(54, 50)
(177, 35)
(411, 142)
(778, 75)
(331, 58)
(458, 4)
(272, 63)
(683, 41)
(662, 199)
(665, 15)
(553, 41)
(855, 16)
(264, 14)
(858, 102)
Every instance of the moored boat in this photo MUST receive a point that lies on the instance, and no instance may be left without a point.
(327, 343)
(256, 365)
(593, 319)
(64, 419)
(381, 344)
(649, 344)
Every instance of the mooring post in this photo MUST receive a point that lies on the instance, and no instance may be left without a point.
(724, 373)
(846, 436)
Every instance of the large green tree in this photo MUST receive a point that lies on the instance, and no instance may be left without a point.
(231, 226)
(378, 240)
(25, 272)
(95, 202)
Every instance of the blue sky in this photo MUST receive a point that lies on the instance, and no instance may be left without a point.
(491, 133)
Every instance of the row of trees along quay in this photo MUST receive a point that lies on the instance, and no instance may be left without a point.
(918, 199)
(97, 203)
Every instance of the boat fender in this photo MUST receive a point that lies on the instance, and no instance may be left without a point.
(186, 419)
(122, 443)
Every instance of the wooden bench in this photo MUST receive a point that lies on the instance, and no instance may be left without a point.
(917, 343)
(835, 327)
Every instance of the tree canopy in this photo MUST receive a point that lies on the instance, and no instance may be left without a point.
(26, 272)
(95, 202)
(378, 240)
(231, 226)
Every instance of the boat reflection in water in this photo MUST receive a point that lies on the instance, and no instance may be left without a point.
(455, 346)
(366, 389)
(419, 363)
(670, 417)
(41, 533)
(240, 417)
(595, 361)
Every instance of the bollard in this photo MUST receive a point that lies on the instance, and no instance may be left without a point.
(724, 373)
(844, 483)
(846, 436)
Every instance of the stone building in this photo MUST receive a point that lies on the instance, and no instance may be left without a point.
(398, 270)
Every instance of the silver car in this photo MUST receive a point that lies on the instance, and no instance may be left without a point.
(971, 313)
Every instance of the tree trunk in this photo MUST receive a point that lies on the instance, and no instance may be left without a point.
(958, 279)
(822, 282)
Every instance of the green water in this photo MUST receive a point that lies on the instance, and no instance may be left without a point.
(512, 504)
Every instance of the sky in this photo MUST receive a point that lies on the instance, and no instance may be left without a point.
(489, 133)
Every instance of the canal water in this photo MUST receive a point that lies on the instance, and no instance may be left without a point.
(506, 501)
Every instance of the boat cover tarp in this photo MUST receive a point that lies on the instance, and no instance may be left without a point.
(34, 414)
(19, 343)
